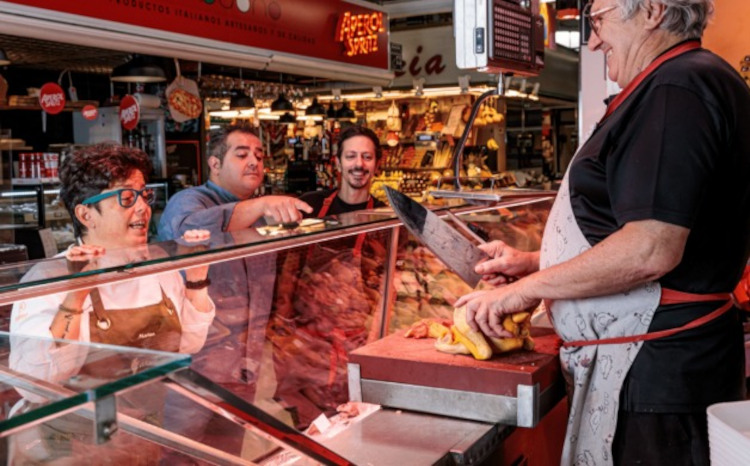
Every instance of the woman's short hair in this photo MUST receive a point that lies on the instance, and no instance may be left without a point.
(684, 18)
(357, 130)
(217, 145)
(90, 170)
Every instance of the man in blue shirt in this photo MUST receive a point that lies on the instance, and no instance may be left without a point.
(242, 289)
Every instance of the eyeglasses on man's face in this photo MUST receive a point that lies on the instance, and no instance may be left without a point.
(126, 197)
(595, 17)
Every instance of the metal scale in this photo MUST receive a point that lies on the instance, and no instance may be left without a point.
(494, 36)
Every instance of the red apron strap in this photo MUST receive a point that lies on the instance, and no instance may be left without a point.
(679, 50)
(323, 212)
(668, 296)
(327, 204)
(361, 237)
(654, 335)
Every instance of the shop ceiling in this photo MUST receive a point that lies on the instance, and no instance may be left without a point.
(41, 54)
(38, 54)
(31, 53)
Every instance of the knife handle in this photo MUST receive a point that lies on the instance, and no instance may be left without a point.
(479, 231)
(479, 234)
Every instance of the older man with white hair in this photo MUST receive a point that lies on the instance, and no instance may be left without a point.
(641, 252)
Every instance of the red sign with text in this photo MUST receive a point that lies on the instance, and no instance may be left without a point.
(130, 113)
(52, 98)
(89, 112)
(303, 27)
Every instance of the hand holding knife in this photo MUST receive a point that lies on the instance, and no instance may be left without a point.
(481, 237)
(449, 245)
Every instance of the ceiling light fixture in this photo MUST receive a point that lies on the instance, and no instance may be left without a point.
(315, 109)
(287, 118)
(138, 70)
(281, 105)
(345, 113)
(241, 101)
(331, 112)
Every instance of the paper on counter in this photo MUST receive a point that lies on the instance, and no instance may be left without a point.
(326, 428)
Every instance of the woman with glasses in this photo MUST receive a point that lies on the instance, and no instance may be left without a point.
(639, 257)
(104, 190)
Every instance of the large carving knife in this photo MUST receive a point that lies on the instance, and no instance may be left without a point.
(450, 246)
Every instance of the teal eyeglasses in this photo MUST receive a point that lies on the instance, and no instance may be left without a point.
(127, 197)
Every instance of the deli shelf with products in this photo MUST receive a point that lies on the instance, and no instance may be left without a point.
(271, 382)
(34, 205)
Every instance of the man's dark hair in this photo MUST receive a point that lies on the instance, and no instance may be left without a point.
(356, 130)
(217, 145)
(90, 170)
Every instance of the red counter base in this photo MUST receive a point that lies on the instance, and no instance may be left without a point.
(540, 446)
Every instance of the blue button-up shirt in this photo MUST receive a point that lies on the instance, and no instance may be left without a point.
(242, 289)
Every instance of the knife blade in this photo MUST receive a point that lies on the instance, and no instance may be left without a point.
(450, 246)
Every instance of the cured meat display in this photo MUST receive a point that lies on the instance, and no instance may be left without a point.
(327, 299)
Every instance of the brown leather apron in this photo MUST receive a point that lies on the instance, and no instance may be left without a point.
(155, 326)
(68, 438)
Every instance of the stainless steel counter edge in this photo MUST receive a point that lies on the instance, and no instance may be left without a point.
(389, 437)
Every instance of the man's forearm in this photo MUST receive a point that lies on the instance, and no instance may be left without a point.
(244, 215)
(638, 253)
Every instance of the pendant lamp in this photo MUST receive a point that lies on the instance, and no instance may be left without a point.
(331, 112)
(281, 105)
(315, 109)
(138, 70)
(287, 118)
(241, 101)
(345, 113)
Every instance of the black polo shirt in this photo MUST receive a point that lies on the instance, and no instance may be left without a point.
(678, 151)
(316, 199)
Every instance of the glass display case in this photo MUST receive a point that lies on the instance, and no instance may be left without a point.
(131, 406)
(270, 380)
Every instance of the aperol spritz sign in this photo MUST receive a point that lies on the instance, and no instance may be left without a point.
(310, 28)
(360, 33)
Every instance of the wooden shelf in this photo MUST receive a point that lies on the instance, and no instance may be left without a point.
(414, 169)
(69, 106)
(54, 215)
(34, 181)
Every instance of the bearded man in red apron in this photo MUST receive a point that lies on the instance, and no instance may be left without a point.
(356, 159)
(639, 257)
(327, 308)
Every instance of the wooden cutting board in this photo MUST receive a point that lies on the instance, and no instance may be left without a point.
(396, 358)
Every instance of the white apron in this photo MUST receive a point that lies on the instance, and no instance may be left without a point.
(595, 374)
